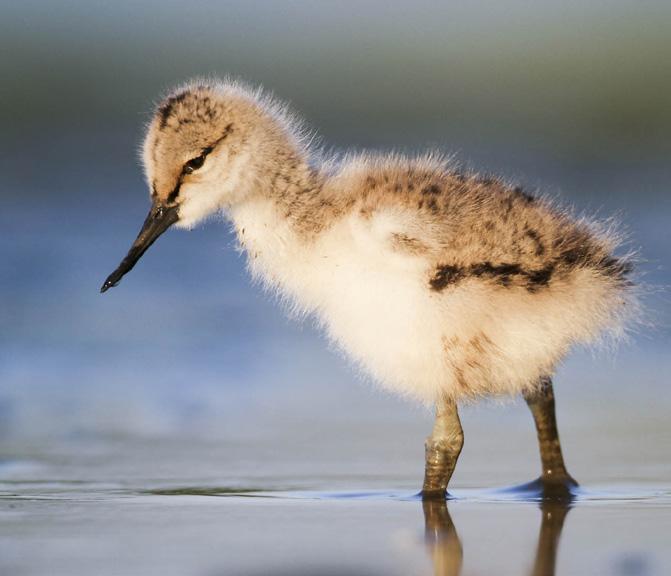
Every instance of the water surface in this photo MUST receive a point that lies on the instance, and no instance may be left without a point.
(121, 509)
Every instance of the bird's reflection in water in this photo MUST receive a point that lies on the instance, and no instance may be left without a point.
(447, 553)
(442, 538)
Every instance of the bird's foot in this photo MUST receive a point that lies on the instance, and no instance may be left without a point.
(431, 495)
(556, 489)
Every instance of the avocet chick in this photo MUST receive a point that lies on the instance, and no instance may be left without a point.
(442, 285)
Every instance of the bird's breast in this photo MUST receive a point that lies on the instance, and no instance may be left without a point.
(372, 299)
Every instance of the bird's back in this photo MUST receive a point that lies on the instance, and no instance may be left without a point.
(480, 227)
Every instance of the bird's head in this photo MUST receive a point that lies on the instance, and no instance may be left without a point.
(203, 151)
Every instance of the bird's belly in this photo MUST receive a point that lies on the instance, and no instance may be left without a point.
(378, 309)
(414, 341)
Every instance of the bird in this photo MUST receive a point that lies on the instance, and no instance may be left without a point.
(440, 284)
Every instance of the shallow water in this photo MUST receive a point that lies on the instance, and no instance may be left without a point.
(65, 515)
(83, 529)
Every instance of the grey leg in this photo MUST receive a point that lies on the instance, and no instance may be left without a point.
(442, 450)
(541, 402)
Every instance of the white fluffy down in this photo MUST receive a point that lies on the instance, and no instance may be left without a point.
(375, 305)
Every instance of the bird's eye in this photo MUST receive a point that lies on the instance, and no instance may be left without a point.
(193, 164)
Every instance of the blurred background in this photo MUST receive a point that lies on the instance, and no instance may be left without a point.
(570, 98)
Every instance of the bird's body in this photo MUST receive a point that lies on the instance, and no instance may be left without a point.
(436, 283)
(440, 284)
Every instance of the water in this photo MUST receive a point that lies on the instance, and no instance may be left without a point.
(129, 508)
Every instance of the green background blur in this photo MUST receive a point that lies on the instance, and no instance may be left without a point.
(582, 81)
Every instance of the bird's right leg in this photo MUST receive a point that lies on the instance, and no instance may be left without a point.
(442, 450)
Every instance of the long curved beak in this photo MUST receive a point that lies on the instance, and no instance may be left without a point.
(159, 219)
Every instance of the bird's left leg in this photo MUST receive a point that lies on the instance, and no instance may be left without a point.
(555, 481)
(442, 450)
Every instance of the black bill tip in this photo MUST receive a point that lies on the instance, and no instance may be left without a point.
(107, 284)
(160, 218)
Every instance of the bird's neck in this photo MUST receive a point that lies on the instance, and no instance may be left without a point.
(296, 190)
(291, 186)
(281, 217)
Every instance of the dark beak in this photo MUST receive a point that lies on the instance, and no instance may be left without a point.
(160, 218)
